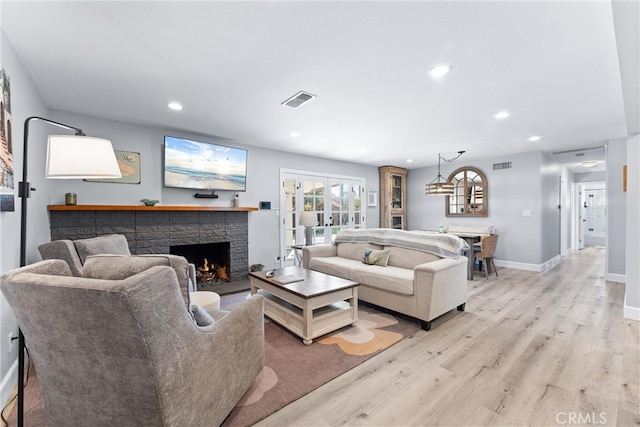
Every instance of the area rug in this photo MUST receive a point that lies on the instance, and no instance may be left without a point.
(291, 370)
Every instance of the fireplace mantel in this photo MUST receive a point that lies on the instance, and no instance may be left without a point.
(146, 208)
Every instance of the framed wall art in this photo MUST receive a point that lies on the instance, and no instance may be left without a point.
(6, 150)
(129, 163)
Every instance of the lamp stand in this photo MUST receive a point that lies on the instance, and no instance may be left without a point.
(308, 235)
(24, 192)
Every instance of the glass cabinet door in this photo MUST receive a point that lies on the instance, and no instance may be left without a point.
(393, 202)
(396, 191)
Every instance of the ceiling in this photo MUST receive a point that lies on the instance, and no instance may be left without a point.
(552, 65)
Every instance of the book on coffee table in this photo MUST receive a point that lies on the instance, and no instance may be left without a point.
(289, 278)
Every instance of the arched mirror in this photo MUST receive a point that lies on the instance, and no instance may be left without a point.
(469, 193)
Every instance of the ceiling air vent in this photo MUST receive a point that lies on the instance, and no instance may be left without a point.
(298, 99)
(503, 165)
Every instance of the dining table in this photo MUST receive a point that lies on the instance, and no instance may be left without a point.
(470, 238)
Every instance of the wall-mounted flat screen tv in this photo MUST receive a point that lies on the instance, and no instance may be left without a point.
(203, 165)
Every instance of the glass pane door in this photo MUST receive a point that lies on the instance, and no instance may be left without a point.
(313, 193)
(358, 209)
(336, 203)
(340, 207)
(290, 218)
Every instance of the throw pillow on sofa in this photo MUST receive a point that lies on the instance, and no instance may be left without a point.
(199, 314)
(376, 257)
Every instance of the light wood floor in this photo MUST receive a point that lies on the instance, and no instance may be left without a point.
(542, 349)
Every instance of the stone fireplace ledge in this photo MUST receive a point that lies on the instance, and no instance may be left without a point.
(154, 229)
(146, 208)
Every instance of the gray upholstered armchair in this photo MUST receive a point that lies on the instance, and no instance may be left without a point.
(127, 352)
(76, 252)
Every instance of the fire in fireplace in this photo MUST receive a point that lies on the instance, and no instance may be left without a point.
(212, 261)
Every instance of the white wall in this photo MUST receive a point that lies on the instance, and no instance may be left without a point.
(550, 175)
(567, 212)
(590, 176)
(25, 102)
(616, 211)
(510, 192)
(262, 180)
(632, 295)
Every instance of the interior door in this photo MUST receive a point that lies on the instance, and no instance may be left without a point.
(581, 219)
(595, 217)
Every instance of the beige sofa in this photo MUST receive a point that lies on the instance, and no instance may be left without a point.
(424, 278)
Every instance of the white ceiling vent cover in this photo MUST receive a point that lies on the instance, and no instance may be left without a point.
(298, 99)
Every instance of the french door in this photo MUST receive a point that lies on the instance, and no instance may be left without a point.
(336, 201)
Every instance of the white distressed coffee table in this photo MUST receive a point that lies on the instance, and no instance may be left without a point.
(312, 306)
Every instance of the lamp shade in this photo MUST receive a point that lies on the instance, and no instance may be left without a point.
(77, 157)
(308, 218)
(439, 189)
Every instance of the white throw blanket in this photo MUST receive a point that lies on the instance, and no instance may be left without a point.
(441, 244)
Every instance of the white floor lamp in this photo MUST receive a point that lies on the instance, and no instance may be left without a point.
(68, 157)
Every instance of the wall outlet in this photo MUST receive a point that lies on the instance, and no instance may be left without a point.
(10, 342)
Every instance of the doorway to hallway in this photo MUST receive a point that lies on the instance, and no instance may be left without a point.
(593, 215)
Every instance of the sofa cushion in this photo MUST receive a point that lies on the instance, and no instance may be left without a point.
(334, 265)
(355, 250)
(376, 257)
(64, 250)
(391, 279)
(408, 258)
(114, 244)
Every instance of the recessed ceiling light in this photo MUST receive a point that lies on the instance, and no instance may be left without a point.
(294, 134)
(439, 71)
(502, 115)
(363, 150)
(175, 106)
(589, 163)
(409, 160)
(534, 138)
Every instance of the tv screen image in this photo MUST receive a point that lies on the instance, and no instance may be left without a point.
(203, 165)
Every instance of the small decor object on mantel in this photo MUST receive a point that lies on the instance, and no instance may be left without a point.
(148, 202)
(70, 199)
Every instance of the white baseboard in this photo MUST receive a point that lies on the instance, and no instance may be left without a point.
(619, 278)
(551, 263)
(632, 313)
(530, 267)
(9, 382)
(517, 265)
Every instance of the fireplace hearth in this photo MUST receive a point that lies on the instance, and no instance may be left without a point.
(212, 261)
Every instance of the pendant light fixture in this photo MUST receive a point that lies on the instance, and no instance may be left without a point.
(440, 186)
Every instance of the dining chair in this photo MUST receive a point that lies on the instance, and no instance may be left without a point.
(487, 253)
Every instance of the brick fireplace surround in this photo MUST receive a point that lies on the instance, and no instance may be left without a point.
(153, 229)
